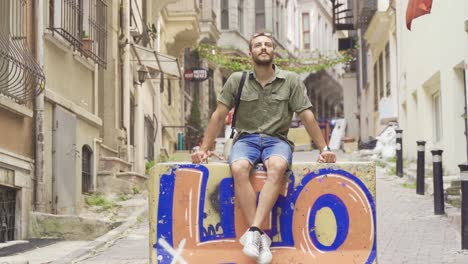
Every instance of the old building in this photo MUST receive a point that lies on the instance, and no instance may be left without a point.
(21, 80)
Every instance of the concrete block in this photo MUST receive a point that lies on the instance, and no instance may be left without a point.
(325, 214)
(301, 138)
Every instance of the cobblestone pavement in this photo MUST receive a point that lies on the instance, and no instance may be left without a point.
(407, 229)
(132, 248)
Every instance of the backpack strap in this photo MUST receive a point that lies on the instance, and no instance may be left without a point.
(237, 103)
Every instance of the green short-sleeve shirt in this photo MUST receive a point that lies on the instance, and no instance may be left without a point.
(267, 110)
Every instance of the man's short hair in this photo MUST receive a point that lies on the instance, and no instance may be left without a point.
(260, 34)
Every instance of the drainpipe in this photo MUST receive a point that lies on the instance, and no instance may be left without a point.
(39, 165)
(95, 161)
(126, 71)
(465, 69)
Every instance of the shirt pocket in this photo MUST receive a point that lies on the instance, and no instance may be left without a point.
(249, 97)
(280, 96)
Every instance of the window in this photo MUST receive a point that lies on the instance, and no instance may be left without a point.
(325, 39)
(132, 120)
(381, 77)
(150, 137)
(376, 90)
(83, 23)
(240, 10)
(224, 14)
(86, 169)
(387, 70)
(437, 110)
(319, 32)
(277, 17)
(259, 15)
(305, 31)
(169, 92)
(212, 94)
(161, 83)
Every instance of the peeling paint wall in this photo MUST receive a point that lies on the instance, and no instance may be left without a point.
(325, 214)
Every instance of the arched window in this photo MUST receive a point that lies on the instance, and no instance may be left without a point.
(86, 169)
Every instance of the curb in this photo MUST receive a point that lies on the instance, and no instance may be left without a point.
(102, 240)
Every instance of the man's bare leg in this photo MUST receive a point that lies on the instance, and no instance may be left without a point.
(276, 168)
(244, 190)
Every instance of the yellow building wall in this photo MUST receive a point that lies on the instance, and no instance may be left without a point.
(16, 133)
(325, 214)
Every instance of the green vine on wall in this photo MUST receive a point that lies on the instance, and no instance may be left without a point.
(308, 61)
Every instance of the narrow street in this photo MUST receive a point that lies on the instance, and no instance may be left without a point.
(131, 248)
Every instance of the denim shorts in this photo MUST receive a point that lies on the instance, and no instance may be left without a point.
(257, 148)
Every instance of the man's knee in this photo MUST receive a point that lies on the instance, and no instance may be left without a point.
(276, 167)
(240, 169)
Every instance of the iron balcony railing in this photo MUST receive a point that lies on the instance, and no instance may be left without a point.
(21, 78)
(83, 24)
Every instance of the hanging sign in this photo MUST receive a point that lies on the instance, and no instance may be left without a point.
(195, 75)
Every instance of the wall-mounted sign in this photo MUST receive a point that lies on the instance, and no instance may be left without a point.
(196, 75)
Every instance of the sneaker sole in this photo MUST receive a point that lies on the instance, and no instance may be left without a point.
(251, 252)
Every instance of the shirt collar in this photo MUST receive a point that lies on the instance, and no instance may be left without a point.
(278, 73)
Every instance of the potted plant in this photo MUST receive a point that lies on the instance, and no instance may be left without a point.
(87, 43)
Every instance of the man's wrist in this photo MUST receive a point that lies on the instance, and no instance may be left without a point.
(324, 149)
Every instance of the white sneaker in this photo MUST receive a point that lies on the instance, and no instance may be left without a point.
(251, 242)
(265, 255)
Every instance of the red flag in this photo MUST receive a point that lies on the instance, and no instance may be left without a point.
(417, 8)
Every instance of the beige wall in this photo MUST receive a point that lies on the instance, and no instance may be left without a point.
(16, 133)
(422, 72)
(68, 76)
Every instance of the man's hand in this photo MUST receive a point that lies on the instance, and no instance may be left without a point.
(327, 157)
(200, 156)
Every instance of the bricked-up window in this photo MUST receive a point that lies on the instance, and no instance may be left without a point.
(224, 14)
(387, 69)
(83, 24)
(259, 15)
(305, 31)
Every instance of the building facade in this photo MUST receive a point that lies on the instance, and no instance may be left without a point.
(21, 80)
(432, 81)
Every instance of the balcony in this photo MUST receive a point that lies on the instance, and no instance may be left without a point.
(21, 78)
(83, 24)
(208, 30)
(182, 27)
(365, 10)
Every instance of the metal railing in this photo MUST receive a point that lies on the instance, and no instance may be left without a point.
(21, 78)
(83, 24)
(86, 169)
(7, 214)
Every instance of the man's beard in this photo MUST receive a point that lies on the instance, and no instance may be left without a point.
(258, 61)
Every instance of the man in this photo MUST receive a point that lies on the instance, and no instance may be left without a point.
(269, 98)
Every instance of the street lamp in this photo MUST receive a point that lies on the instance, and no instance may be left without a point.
(142, 74)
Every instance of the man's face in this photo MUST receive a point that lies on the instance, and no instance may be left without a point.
(263, 51)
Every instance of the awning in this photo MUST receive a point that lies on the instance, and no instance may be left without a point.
(157, 61)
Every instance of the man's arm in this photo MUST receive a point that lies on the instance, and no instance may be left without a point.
(214, 126)
(313, 129)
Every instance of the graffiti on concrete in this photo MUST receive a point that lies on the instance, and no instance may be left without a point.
(323, 216)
